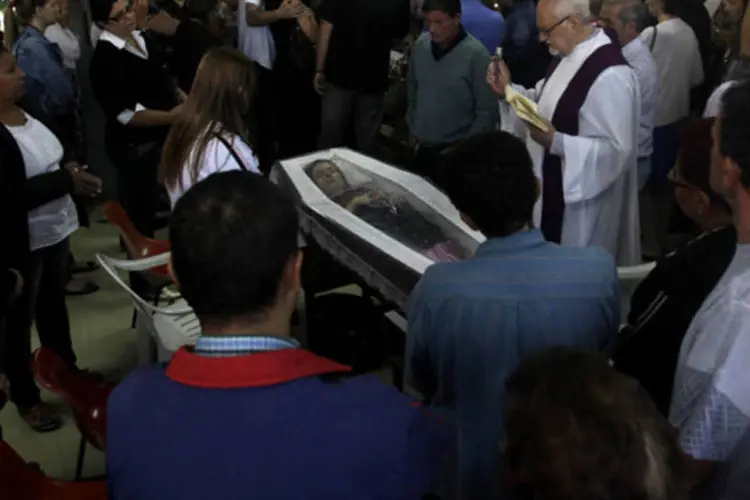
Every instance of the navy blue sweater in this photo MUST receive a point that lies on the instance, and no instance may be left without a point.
(266, 426)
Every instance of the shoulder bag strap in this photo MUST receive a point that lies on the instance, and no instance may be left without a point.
(231, 151)
(653, 40)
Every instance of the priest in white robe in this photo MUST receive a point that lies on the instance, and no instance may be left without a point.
(587, 158)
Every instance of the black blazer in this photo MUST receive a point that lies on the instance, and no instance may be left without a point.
(120, 80)
(662, 308)
(19, 195)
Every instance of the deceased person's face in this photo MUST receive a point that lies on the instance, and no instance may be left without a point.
(329, 178)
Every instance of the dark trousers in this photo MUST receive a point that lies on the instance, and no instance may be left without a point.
(138, 190)
(341, 109)
(427, 162)
(265, 120)
(42, 302)
(297, 111)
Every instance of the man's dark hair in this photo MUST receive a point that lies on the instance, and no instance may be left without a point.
(450, 7)
(734, 129)
(232, 236)
(579, 430)
(100, 10)
(694, 158)
(490, 178)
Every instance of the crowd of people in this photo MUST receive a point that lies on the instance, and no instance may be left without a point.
(530, 384)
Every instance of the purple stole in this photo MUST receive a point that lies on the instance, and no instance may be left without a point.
(565, 120)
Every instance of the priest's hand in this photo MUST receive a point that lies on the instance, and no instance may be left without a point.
(541, 137)
(498, 76)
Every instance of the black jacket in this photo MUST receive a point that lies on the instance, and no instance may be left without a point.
(19, 195)
(662, 308)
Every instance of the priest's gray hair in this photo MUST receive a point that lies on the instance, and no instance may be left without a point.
(632, 11)
(569, 8)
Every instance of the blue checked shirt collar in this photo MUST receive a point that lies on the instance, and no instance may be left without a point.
(238, 345)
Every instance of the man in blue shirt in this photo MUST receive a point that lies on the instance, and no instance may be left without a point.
(527, 58)
(472, 322)
(485, 24)
(247, 413)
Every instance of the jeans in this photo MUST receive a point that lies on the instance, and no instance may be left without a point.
(343, 108)
(42, 302)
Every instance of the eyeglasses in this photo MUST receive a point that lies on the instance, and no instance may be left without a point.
(548, 31)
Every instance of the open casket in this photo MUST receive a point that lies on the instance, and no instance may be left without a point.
(382, 223)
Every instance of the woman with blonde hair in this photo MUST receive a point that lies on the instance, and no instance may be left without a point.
(210, 134)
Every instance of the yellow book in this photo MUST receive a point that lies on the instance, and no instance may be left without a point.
(525, 108)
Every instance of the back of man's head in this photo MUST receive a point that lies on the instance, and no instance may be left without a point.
(491, 182)
(234, 245)
(734, 129)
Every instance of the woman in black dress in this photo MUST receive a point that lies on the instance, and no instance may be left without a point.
(297, 104)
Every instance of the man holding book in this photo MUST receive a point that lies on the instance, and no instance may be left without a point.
(581, 128)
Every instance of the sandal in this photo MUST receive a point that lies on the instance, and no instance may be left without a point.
(87, 289)
(84, 266)
(41, 417)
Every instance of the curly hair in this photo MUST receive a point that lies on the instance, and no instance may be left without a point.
(490, 178)
(579, 430)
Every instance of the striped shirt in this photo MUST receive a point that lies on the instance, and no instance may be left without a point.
(222, 346)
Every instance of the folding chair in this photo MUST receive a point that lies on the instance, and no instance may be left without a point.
(169, 327)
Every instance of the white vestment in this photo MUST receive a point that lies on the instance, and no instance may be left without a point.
(599, 165)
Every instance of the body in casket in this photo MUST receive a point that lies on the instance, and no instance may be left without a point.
(384, 224)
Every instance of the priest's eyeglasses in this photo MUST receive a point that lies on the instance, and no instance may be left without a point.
(549, 30)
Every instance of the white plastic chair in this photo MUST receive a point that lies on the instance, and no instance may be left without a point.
(170, 327)
(630, 277)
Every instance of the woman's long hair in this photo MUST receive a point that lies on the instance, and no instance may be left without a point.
(219, 103)
(17, 16)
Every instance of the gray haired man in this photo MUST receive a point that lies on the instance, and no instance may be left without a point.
(628, 18)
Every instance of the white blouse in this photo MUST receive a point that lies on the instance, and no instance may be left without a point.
(68, 43)
(216, 158)
(51, 223)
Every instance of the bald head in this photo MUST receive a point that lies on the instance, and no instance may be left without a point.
(568, 8)
(563, 24)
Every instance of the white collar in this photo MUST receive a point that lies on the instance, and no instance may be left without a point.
(120, 43)
(586, 47)
(633, 47)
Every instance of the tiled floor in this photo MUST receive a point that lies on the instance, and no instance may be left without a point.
(103, 341)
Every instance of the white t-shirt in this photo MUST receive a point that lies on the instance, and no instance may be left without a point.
(678, 60)
(711, 398)
(713, 105)
(255, 41)
(68, 43)
(217, 158)
(54, 221)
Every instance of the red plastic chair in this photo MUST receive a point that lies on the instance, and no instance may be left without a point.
(86, 398)
(140, 247)
(20, 481)
(137, 245)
